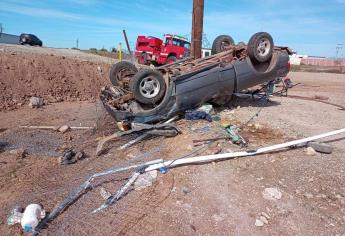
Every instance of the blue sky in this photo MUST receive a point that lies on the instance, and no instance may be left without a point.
(312, 27)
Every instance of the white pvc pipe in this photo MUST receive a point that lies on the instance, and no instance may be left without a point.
(210, 158)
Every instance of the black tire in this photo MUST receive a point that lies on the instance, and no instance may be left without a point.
(260, 47)
(120, 70)
(172, 58)
(137, 86)
(220, 42)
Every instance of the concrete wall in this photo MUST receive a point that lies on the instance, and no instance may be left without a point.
(322, 62)
(9, 38)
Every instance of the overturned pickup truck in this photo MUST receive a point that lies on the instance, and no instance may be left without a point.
(154, 95)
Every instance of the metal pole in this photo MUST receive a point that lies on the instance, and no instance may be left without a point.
(197, 25)
(128, 47)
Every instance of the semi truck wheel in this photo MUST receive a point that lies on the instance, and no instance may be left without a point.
(171, 59)
(143, 59)
(220, 42)
(148, 86)
(121, 72)
(260, 47)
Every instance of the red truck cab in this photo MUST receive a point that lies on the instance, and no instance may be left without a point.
(152, 50)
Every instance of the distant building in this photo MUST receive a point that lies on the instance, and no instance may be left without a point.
(296, 59)
(205, 52)
(9, 38)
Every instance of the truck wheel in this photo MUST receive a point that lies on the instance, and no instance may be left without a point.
(171, 59)
(120, 71)
(148, 86)
(220, 42)
(260, 47)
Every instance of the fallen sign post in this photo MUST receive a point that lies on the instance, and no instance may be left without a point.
(158, 164)
(211, 158)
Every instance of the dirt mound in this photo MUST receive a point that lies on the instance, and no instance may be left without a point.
(55, 78)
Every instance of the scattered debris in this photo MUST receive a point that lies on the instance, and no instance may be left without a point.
(321, 147)
(235, 137)
(165, 129)
(208, 108)
(32, 215)
(199, 141)
(36, 102)
(271, 194)
(198, 115)
(268, 193)
(310, 151)
(145, 180)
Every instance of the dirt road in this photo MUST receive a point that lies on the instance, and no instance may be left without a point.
(223, 198)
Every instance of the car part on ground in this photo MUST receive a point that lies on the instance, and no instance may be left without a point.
(121, 72)
(190, 83)
(30, 39)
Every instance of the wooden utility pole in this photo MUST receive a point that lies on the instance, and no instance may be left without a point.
(197, 25)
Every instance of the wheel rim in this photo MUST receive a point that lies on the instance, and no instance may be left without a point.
(149, 87)
(264, 47)
(122, 76)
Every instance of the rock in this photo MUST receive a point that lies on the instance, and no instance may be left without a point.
(259, 223)
(264, 220)
(36, 102)
(310, 151)
(321, 147)
(308, 195)
(63, 129)
(145, 180)
(185, 190)
(257, 126)
(208, 108)
(271, 194)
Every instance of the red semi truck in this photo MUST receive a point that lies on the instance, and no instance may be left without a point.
(152, 50)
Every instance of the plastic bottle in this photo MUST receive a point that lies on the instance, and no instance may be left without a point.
(32, 215)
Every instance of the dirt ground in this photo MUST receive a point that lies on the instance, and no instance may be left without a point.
(222, 198)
